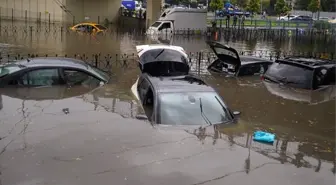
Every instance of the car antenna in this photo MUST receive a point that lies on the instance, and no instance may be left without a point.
(203, 115)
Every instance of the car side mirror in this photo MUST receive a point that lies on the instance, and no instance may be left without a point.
(141, 117)
(236, 113)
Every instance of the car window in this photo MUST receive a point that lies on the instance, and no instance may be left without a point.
(222, 51)
(143, 87)
(324, 76)
(164, 26)
(184, 108)
(294, 75)
(41, 77)
(74, 77)
(251, 69)
(100, 27)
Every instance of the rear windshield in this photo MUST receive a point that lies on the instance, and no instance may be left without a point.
(185, 108)
(156, 24)
(291, 74)
(100, 27)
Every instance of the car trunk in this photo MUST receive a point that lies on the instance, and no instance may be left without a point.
(226, 55)
(163, 62)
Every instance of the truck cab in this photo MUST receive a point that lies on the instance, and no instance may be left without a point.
(161, 28)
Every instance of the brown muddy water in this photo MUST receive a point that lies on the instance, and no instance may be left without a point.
(90, 136)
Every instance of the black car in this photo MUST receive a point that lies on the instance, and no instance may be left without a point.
(302, 18)
(170, 96)
(50, 71)
(229, 62)
(302, 73)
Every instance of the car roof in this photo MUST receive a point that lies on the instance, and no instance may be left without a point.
(187, 83)
(53, 62)
(308, 62)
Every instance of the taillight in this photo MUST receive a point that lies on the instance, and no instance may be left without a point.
(262, 77)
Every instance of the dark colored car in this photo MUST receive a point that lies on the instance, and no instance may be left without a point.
(302, 73)
(48, 72)
(302, 18)
(170, 96)
(230, 63)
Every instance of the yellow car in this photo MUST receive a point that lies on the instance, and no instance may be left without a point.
(89, 28)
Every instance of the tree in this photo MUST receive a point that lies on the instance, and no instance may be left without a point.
(281, 7)
(301, 4)
(314, 6)
(242, 3)
(216, 4)
(253, 6)
(328, 5)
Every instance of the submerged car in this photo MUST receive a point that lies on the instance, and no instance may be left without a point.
(301, 73)
(88, 28)
(170, 96)
(229, 62)
(50, 71)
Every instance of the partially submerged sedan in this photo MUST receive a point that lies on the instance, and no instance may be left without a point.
(170, 96)
(229, 62)
(46, 72)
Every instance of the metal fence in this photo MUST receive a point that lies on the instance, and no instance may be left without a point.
(198, 61)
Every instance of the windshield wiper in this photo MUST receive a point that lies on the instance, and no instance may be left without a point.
(203, 115)
(224, 109)
(159, 53)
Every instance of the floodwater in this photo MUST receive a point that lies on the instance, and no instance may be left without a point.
(90, 136)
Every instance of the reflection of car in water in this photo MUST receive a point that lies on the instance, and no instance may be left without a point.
(230, 63)
(48, 72)
(311, 97)
(302, 79)
(88, 28)
(172, 97)
(303, 73)
(50, 93)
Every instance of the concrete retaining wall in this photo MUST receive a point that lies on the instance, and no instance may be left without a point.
(32, 10)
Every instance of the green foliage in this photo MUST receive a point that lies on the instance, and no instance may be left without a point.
(301, 4)
(253, 6)
(314, 6)
(322, 25)
(216, 4)
(242, 3)
(328, 5)
(281, 7)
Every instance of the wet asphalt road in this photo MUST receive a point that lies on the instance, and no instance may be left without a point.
(91, 137)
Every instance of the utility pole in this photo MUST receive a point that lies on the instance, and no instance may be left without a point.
(319, 9)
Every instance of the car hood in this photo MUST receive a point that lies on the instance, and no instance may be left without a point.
(225, 53)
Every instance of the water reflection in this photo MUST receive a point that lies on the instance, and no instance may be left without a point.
(289, 149)
(309, 96)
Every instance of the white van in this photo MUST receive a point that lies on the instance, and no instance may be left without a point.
(179, 19)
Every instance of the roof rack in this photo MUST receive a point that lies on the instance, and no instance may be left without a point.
(309, 61)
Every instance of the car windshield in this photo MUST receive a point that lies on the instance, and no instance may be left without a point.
(8, 69)
(185, 108)
(100, 27)
(156, 24)
(291, 74)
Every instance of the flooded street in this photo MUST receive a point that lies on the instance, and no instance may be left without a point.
(90, 136)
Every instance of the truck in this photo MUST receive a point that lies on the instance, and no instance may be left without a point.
(179, 19)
